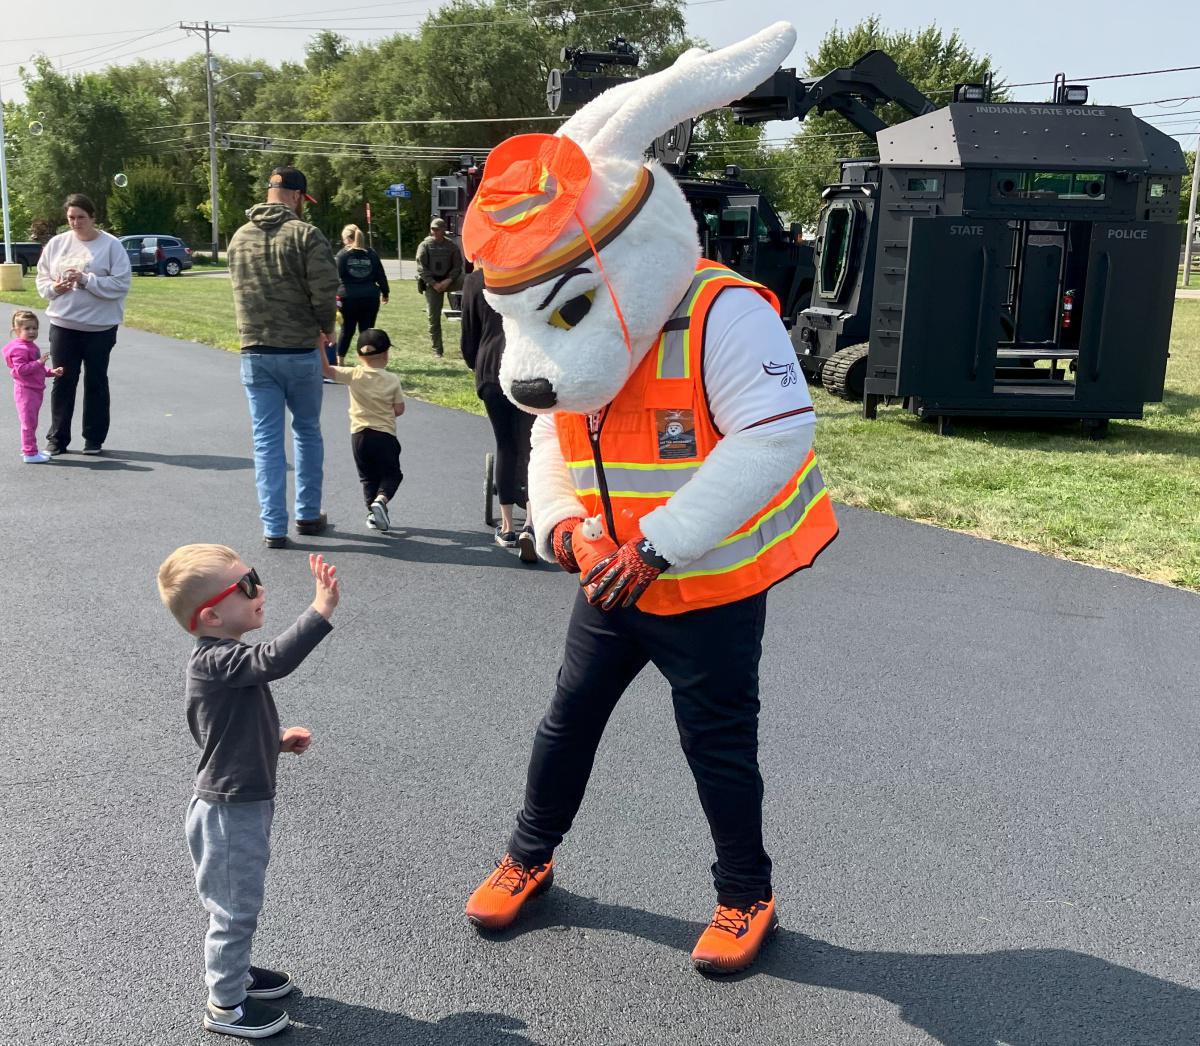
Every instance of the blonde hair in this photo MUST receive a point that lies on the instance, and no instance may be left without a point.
(356, 234)
(24, 316)
(186, 578)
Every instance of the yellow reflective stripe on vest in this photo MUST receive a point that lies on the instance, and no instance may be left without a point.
(675, 346)
(778, 525)
(628, 479)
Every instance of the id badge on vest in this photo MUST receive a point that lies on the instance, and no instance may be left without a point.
(676, 430)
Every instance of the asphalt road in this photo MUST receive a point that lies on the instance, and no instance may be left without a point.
(980, 766)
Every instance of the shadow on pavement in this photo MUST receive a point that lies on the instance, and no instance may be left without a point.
(419, 545)
(329, 1021)
(1030, 996)
(103, 463)
(205, 462)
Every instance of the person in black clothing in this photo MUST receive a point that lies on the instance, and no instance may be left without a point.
(482, 348)
(362, 286)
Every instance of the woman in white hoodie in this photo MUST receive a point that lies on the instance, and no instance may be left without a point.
(84, 275)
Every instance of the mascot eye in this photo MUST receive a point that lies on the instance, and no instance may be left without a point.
(571, 312)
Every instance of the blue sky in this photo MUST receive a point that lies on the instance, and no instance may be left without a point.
(1028, 40)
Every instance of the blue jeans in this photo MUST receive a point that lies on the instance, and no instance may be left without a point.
(274, 381)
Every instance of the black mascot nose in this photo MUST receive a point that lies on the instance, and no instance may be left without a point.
(536, 393)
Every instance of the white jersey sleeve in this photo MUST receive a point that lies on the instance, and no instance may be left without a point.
(750, 371)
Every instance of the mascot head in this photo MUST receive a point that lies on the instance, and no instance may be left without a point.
(585, 249)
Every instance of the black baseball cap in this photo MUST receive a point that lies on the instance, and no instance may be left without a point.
(289, 178)
(373, 341)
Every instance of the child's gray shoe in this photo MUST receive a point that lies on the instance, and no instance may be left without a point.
(251, 1020)
(268, 984)
(379, 513)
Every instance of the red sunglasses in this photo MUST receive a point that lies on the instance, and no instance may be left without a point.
(249, 583)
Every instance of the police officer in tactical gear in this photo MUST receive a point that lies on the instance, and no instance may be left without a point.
(439, 269)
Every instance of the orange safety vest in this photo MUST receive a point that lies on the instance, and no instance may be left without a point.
(631, 457)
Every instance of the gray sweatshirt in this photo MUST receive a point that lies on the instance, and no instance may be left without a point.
(99, 303)
(232, 714)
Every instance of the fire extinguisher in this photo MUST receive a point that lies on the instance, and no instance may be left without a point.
(1068, 309)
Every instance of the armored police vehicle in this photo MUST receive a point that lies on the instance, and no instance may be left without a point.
(997, 258)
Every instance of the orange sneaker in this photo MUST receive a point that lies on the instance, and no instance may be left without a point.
(734, 937)
(498, 900)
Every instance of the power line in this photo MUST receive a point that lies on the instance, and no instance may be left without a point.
(1159, 101)
(386, 123)
(109, 59)
(1168, 115)
(1108, 76)
(524, 20)
(98, 48)
(70, 36)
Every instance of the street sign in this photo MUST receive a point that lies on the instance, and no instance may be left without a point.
(398, 190)
(406, 195)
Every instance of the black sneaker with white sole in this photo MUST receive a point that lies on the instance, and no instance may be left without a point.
(526, 546)
(379, 513)
(269, 984)
(251, 1020)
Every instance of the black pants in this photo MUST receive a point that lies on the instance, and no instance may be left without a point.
(74, 351)
(512, 427)
(377, 455)
(356, 312)
(710, 658)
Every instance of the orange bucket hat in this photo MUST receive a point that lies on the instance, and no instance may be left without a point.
(530, 189)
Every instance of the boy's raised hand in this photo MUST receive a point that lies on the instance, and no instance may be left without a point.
(328, 592)
(295, 739)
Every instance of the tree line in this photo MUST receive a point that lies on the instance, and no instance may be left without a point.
(357, 118)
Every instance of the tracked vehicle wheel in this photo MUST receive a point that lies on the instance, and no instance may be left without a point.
(845, 372)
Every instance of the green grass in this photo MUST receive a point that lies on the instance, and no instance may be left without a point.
(1194, 282)
(1131, 502)
(201, 309)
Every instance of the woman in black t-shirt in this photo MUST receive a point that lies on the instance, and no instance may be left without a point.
(363, 285)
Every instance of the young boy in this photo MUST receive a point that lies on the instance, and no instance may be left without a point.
(376, 401)
(232, 716)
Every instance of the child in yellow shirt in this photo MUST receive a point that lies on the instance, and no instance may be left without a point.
(376, 400)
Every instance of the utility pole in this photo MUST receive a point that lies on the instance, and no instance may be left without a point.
(1190, 229)
(8, 251)
(208, 29)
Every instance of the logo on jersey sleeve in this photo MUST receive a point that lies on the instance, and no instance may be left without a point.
(785, 372)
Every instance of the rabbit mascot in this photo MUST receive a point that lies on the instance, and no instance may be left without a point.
(671, 464)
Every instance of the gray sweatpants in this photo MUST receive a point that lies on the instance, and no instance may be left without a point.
(231, 845)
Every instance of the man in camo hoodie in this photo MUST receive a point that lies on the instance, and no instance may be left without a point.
(284, 292)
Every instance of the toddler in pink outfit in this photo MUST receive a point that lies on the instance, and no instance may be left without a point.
(29, 372)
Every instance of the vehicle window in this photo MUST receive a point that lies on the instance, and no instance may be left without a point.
(922, 185)
(1064, 186)
(149, 243)
(735, 221)
(1158, 188)
(167, 241)
(764, 234)
(836, 233)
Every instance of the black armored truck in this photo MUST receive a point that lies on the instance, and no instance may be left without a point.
(996, 259)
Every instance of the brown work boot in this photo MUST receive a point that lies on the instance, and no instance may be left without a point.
(734, 937)
(498, 900)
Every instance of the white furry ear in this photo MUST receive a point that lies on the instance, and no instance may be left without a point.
(696, 83)
(582, 127)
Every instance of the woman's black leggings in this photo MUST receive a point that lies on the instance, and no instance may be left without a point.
(356, 312)
(512, 427)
